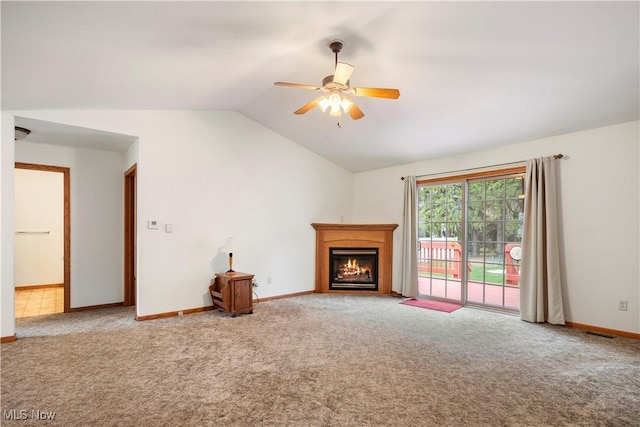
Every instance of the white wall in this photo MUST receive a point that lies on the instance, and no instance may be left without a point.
(39, 225)
(7, 290)
(218, 174)
(599, 194)
(97, 240)
(131, 156)
(215, 175)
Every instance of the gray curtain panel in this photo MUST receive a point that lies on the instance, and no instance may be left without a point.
(540, 285)
(409, 282)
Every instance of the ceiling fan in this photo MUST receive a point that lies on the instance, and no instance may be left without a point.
(337, 89)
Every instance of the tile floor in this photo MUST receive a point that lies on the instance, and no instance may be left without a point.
(36, 302)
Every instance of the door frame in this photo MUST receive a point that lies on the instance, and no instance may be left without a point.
(67, 222)
(441, 250)
(130, 214)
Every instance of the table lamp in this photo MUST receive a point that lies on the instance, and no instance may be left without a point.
(228, 248)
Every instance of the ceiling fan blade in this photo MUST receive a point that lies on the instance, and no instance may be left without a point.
(376, 92)
(342, 73)
(355, 112)
(307, 107)
(296, 85)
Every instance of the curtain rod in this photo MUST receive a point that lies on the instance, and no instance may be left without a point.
(555, 156)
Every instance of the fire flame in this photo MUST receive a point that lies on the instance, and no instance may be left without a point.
(352, 268)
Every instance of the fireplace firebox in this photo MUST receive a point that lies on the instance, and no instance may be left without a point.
(353, 269)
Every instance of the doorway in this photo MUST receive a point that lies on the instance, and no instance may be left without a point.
(440, 232)
(38, 292)
(130, 231)
(495, 214)
(470, 237)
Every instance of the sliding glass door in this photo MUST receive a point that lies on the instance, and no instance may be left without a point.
(470, 235)
(495, 211)
(440, 231)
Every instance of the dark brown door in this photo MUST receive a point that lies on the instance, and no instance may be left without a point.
(130, 214)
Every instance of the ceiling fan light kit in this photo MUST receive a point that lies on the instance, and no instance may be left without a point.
(336, 102)
(337, 88)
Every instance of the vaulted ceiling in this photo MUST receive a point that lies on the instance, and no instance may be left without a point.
(471, 75)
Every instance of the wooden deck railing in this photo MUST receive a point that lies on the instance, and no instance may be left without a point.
(511, 265)
(440, 257)
(446, 258)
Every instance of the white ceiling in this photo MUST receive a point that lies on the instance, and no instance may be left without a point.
(471, 74)
(73, 136)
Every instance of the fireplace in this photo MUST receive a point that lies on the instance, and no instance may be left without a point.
(353, 269)
(378, 237)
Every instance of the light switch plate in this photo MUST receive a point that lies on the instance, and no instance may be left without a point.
(152, 224)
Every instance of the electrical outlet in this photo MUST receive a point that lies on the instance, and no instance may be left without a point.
(180, 313)
(269, 279)
(622, 305)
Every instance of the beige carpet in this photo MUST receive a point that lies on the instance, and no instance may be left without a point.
(317, 360)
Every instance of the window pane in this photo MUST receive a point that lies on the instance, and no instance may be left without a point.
(513, 231)
(424, 194)
(475, 231)
(485, 250)
(424, 214)
(454, 269)
(474, 250)
(495, 189)
(476, 211)
(439, 230)
(438, 194)
(454, 229)
(438, 212)
(514, 209)
(494, 273)
(454, 212)
(515, 187)
(491, 252)
(494, 232)
(423, 230)
(476, 191)
(454, 193)
(494, 210)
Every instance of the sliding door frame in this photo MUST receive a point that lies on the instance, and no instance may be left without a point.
(465, 178)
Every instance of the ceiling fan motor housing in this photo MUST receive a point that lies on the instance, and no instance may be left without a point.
(328, 84)
(335, 46)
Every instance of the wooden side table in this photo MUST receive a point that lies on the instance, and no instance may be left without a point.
(232, 292)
